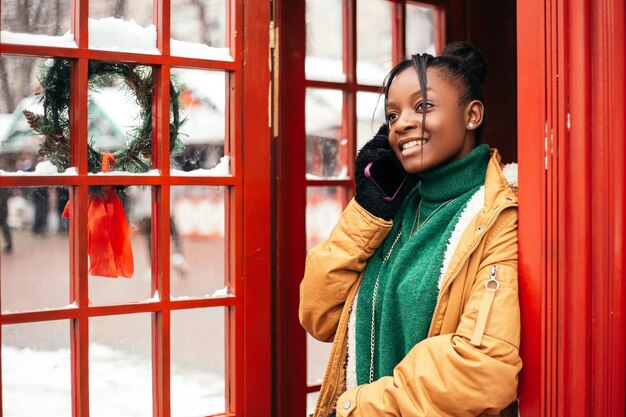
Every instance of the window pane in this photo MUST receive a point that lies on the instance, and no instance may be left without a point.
(120, 366)
(203, 98)
(120, 25)
(34, 234)
(374, 57)
(326, 142)
(117, 116)
(18, 141)
(324, 206)
(370, 113)
(311, 401)
(197, 264)
(420, 29)
(317, 354)
(37, 23)
(324, 40)
(36, 369)
(198, 29)
(198, 362)
(109, 264)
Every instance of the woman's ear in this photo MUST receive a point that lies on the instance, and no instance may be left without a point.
(474, 112)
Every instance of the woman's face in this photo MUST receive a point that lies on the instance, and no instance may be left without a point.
(446, 136)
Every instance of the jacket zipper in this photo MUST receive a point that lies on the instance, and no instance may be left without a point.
(460, 267)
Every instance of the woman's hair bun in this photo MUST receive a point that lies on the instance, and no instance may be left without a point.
(472, 60)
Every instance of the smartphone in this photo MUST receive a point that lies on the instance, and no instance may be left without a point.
(387, 176)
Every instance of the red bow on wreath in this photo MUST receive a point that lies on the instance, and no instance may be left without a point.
(108, 239)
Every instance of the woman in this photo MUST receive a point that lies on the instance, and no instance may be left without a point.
(419, 294)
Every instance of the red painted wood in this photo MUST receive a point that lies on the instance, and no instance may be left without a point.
(161, 16)
(80, 15)
(607, 109)
(254, 387)
(398, 32)
(290, 348)
(532, 205)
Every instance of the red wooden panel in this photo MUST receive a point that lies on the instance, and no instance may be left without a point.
(255, 391)
(290, 348)
(532, 203)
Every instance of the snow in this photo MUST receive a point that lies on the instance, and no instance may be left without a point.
(42, 168)
(5, 125)
(222, 292)
(120, 383)
(113, 34)
(199, 50)
(155, 298)
(64, 41)
(220, 170)
(151, 173)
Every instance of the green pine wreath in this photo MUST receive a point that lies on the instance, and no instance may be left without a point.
(53, 125)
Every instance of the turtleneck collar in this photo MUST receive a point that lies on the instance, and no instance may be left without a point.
(455, 178)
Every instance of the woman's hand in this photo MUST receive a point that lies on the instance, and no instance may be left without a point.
(367, 195)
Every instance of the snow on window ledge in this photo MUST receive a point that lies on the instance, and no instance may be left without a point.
(64, 41)
(199, 50)
(220, 170)
(42, 168)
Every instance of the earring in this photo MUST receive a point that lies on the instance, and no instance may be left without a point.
(470, 125)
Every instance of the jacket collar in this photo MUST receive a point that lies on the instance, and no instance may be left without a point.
(500, 188)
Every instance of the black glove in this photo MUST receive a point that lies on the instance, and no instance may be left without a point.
(367, 195)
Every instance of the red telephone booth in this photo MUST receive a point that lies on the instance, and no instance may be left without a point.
(274, 112)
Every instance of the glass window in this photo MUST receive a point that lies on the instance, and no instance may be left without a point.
(120, 365)
(326, 141)
(19, 142)
(374, 41)
(37, 23)
(323, 209)
(198, 252)
(36, 378)
(370, 114)
(117, 116)
(34, 233)
(198, 362)
(203, 100)
(119, 269)
(324, 54)
(198, 29)
(121, 25)
(420, 29)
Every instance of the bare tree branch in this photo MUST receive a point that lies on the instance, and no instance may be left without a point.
(119, 9)
(204, 29)
(7, 95)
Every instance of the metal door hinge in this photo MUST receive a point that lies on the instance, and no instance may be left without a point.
(272, 35)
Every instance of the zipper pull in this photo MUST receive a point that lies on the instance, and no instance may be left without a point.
(491, 286)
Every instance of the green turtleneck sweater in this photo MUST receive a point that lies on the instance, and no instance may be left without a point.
(407, 288)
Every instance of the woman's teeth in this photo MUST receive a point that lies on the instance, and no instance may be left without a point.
(412, 144)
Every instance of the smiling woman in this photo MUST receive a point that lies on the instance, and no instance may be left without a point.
(405, 286)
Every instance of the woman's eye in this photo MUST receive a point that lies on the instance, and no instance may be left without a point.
(391, 117)
(421, 106)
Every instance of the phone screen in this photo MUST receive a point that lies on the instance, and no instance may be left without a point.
(387, 176)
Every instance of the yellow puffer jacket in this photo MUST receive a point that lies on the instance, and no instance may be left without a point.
(468, 366)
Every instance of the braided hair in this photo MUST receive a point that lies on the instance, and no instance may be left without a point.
(460, 63)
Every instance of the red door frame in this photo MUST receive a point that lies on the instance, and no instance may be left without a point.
(248, 252)
(571, 112)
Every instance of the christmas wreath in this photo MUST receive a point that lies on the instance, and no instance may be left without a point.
(53, 125)
(109, 249)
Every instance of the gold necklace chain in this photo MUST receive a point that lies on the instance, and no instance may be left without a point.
(376, 284)
(374, 295)
(417, 222)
